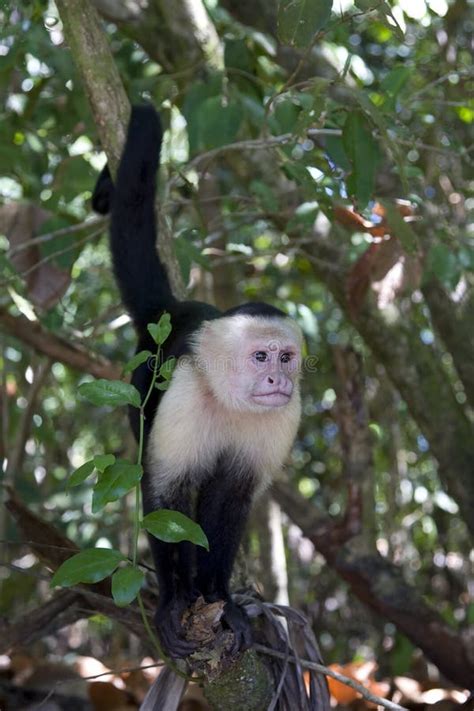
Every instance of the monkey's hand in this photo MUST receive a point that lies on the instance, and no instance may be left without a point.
(168, 623)
(237, 620)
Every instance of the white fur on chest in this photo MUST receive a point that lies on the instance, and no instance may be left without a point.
(191, 430)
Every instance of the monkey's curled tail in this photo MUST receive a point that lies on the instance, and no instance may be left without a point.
(141, 277)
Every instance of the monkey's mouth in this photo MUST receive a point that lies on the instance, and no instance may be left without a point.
(277, 398)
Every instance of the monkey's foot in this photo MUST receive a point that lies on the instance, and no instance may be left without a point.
(236, 619)
(168, 623)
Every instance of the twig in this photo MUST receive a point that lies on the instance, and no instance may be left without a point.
(72, 229)
(335, 675)
(16, 452)
(251, 144)
(435, 82)
(50, 257)
(307, 52)
(458, 152)
(116, 672)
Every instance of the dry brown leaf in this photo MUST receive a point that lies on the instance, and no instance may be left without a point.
(45, 283)
(104, 696)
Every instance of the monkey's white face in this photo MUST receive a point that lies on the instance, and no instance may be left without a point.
(266, 376)
(251, 363)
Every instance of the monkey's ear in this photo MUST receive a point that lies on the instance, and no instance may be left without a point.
(103, 192)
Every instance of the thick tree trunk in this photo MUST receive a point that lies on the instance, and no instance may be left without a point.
(178, 35)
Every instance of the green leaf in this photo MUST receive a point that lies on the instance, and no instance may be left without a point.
(110, 392)
(138, 359)
(167, 368)
(285, 115)
(401, 229)
(220, 122)
(164, 385)
(335, 149)
(187, 253)
(102, 461)
(442, 263)
(88, 566)
(379, 120)
(114, 482)
(265, 194)
(81, 473)
(6, 267)
(365, 5)
(300, 20)
(161, 330)
(173, 527)
(126, 584)
(396, 79)
(362, 151)
(238, 56)
(192, 107)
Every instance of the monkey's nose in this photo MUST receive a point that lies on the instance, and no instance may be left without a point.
(270, 380)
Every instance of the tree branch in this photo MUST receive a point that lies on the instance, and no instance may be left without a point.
(380, 585)
(109, 103)
(73, 354)
(375, 580)
(177, 35)
(61, 610)
(16, 452)
(417, 373)
(242, 681)
(455, 332)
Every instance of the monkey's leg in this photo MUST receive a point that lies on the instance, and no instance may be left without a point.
(174, 570)
(224, 503)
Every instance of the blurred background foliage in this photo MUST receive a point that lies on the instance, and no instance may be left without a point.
(376, 110)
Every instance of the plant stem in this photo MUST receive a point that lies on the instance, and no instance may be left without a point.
(141, 437)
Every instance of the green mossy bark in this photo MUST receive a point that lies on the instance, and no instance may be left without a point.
(246, 686)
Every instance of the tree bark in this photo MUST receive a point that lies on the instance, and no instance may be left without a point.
(72, 354)
(417, 373)
(456, 332)
(178, 35)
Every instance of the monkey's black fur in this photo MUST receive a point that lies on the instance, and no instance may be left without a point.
(224, 497)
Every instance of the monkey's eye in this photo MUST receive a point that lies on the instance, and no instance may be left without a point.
(285, 357)
(261, 356)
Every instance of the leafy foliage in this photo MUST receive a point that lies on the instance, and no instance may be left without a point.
(362, 152)
(376, 99)
(114, 482)
(126, 584)
(174, 527)
(300, 20)
(110, 392)
(89, 566)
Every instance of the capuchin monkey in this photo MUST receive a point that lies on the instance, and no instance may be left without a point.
(227, 422)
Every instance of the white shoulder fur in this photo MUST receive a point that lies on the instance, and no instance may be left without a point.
(191, 430)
